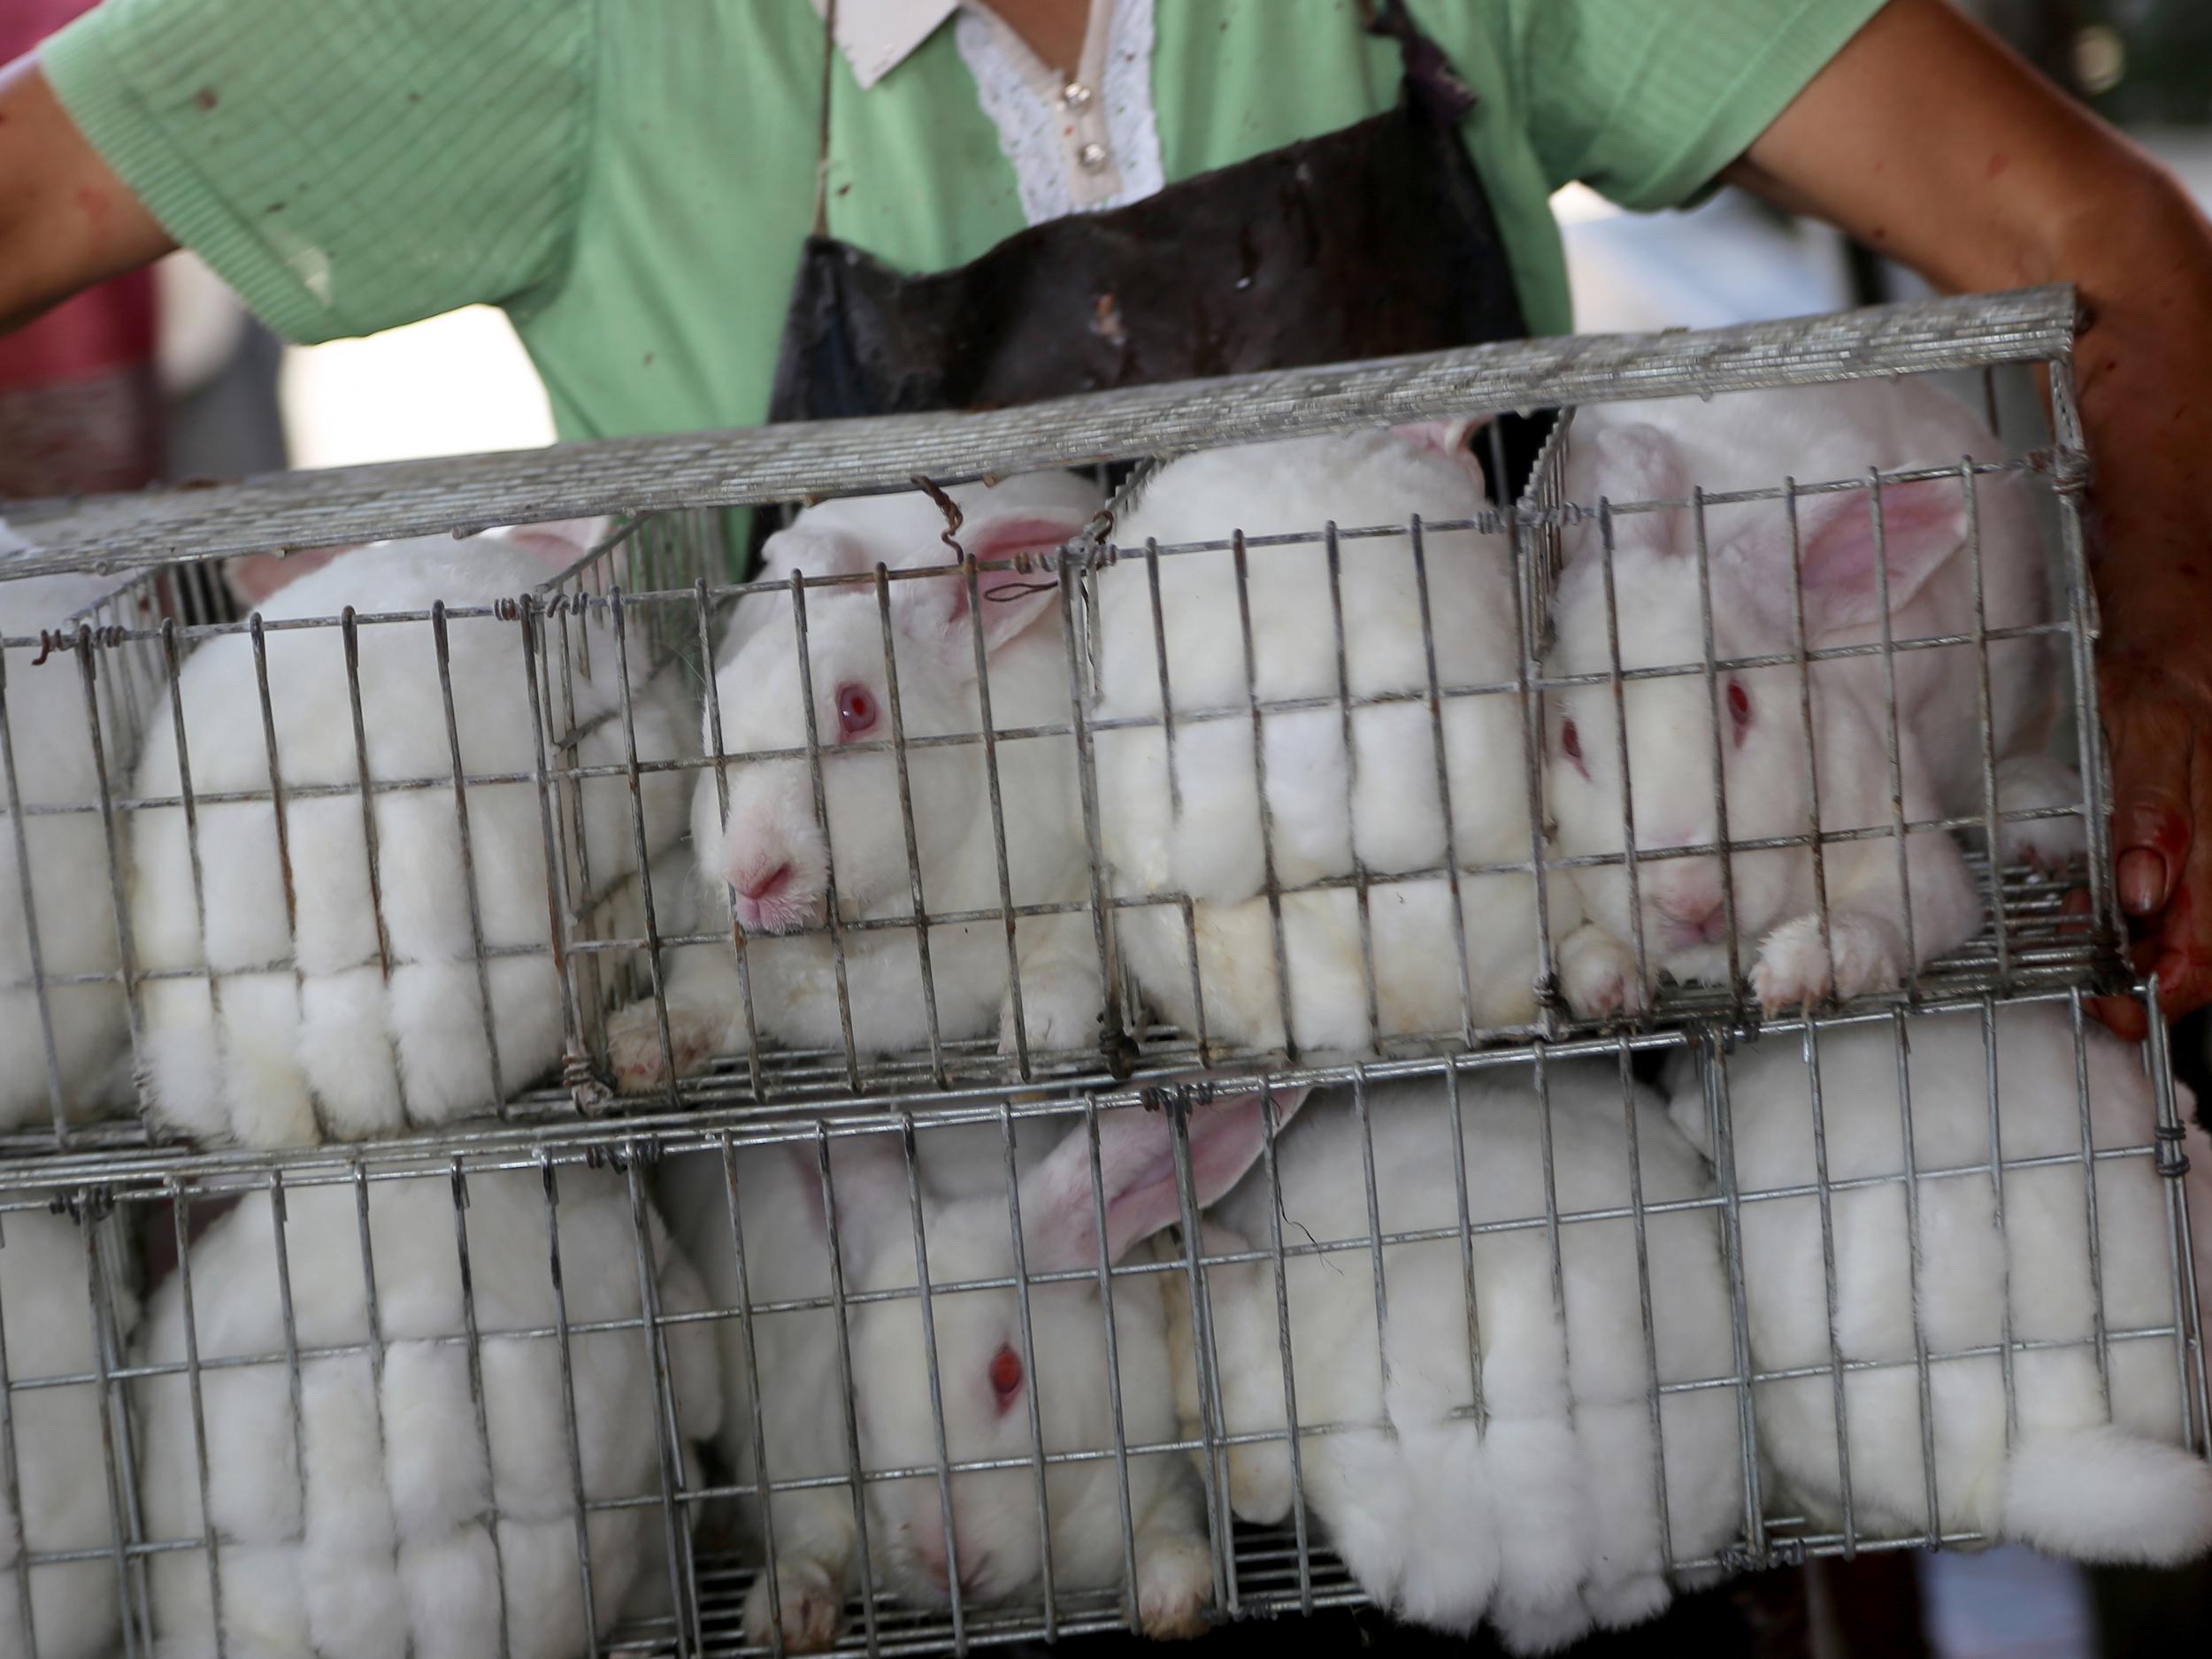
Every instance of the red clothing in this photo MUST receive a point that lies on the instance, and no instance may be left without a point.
(80, 409)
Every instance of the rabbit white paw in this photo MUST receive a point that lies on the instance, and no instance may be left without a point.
(1597, 975)
(634, 1055)
(813, 1608)
(1175, 1583)
(1261, 1490)
(1625, 1601)
(1795, 970)
(2026, 783)
(1060, 1008)
(1542, 1626)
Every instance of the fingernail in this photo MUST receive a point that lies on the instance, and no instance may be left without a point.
(2142, 881)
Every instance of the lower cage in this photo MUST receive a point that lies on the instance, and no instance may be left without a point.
(1523, 1338)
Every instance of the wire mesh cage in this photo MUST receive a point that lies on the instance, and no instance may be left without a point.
(1195, 1003)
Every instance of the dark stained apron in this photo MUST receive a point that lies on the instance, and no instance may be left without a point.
(1374, 241)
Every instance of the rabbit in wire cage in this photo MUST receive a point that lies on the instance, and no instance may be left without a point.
(1499, 1452)
(1182, 808)
(2080, 1450)
(54, 881)
(1749, 721)
(400, 1470)
(1008, 1390)
(301, 985)
(767, 862)
(61, 1500)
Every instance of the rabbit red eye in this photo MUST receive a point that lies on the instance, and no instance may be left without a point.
(1006, 1375)
(1739, 709)
(1571, 741)
(855, 710)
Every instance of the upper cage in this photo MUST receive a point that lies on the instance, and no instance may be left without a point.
(1202, 758)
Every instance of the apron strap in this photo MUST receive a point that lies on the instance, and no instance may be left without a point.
(822, 141)
(1435, 85)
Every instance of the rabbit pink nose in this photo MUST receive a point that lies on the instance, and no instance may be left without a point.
(764, 884)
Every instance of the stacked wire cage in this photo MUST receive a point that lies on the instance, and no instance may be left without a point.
(1198, 1002)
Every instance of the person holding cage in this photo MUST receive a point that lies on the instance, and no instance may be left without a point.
(635, 185)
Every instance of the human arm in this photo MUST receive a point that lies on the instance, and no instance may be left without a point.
(66, 222)
(1924, 137)
(345, 168)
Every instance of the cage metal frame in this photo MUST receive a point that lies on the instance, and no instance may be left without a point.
(103, 1173)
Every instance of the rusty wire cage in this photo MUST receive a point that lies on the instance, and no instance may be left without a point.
(452, 1174)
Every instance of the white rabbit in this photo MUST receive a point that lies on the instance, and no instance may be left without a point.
(1657, 452)
(357, 1017)
(64, 889)
(767, 862)
(987, 1380)
(61, 1498)
(1544, 1513)
(1196, 829)
(395, 1511)
(2076, 1478)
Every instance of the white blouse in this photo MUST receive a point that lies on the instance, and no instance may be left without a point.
(1075, 146)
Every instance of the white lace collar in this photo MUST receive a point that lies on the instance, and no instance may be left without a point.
(1079, 146)
(1075, 146)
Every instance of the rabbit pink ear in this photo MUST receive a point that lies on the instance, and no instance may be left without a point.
(1923, 525)
(563, 542)
(1011, 598)
(1136, 1172)
(1446, 438)
(252, 577)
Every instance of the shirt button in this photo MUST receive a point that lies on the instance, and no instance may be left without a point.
(1093, 157)
(1075, 94)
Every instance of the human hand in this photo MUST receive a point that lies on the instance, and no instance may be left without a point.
(2158, 733)
(2141, 373)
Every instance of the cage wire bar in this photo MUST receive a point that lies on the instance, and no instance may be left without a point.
(642, 608)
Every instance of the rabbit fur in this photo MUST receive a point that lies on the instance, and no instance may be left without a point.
(253, 576)
(1197, 830)
(2077, 1480)
(765, 862)
(389, 1544)
(64, 890)
(328, 1043)
(1751, 719)
(995, 1544)
(1543, 1516)
(61, 1498)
